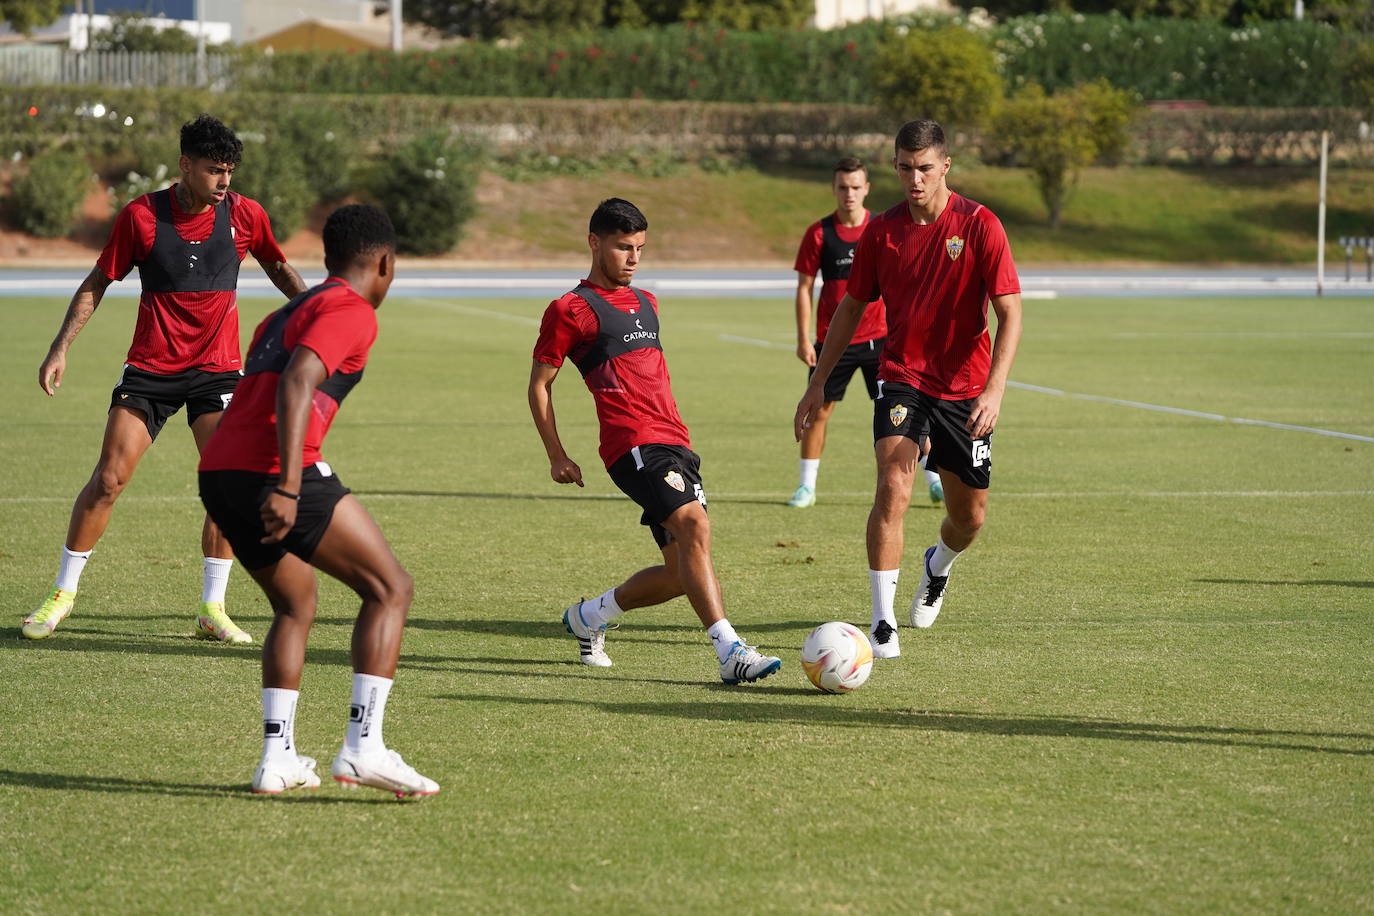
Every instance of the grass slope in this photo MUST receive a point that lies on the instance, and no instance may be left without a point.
(1149, 690)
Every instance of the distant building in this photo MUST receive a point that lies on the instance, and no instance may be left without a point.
(252, 20)
(832, 14)
(74, 31)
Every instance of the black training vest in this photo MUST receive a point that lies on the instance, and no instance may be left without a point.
(619, 332)
(269, 353)
(836, 254)
(175, 265)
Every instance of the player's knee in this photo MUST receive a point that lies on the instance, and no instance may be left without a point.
(106, 484)
(967, 518)
(397, 589)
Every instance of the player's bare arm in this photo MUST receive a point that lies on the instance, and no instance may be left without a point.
(806, 350)
(988, 405)
(83, 305)
(842, 327)
(561, 468)
(295, 398)
(284, 277)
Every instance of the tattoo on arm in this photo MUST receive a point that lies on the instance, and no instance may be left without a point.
(83, 305)
(285, 278)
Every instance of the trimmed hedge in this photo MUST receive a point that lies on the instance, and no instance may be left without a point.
(46, 200)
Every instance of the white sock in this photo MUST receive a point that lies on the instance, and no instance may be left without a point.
(932, 478)
(278, 722)
(882, 585)
(723, 637)
(215, 579)
(600, 611)
(69, 568)
(942, 559)
(365, 714)
(810, 467)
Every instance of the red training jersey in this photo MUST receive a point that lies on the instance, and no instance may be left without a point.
(936, 280)
(187, 330)
(634, 401)
(339, 326)
(873, 323)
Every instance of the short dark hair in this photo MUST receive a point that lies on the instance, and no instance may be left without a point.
(616, 215)
(353, 231)
(207, 138)
(851, 164)
(915, 136)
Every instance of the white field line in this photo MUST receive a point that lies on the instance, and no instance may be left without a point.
(780, 496)
(480, 313)
(1119, 402)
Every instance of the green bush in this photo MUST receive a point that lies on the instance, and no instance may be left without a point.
(428, 186)
(325, 144)
(46, 200)
(1052, 137)
(273, 174)
(947, 74)
(1360, 67)
(1109, 112)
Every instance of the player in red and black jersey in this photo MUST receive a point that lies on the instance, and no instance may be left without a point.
(937, 259)
(827, 248)
(187, 242)
(263, 481)
(610, 331)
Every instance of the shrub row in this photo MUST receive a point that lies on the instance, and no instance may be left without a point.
(1282, 63)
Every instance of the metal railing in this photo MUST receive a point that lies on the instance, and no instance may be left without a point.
(47, 65)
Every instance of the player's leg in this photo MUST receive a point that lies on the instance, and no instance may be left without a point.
(896, 457)
(965, 466)
(127, 437)
(691, 530)
(588, 619)
(812, 445)
(217, 557)
(934, 486)
(291, 590)
(354, 551)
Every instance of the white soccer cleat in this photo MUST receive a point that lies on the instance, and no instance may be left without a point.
(383, 770)
(591, 643)
(930, 594)
(883, 640)
(282, 775)
(744, 663)
(803, 498)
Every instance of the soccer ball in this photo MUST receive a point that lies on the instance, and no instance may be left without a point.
(837, 657)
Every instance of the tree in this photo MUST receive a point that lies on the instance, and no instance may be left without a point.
(26, 15)
(134, 32)
(948, 74)
(1055, 137)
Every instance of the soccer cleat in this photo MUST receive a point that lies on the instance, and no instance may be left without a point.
(930, 594)
(804, 497)
(53, 610)
(937, 491)
(883, 640)
(591, 643)
(281, 775)
(744, 663)
(383, 770)
(215, 624)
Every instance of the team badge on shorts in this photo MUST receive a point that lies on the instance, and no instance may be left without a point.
(674, 480)
(954, 246)
(897, 414)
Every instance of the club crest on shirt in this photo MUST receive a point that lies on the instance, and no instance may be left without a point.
(674, 480)
(897, 415)
(954, 246)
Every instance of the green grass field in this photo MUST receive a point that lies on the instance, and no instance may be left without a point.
(1149, 691)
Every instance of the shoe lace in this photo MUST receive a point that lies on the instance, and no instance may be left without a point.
(936, 588)
(883, 631)
(399, 763)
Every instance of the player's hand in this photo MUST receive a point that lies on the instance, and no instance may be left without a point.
(565, 470)
(50, 373)
(806, 352)
(807, 408)
(986, 409)
(278, 516)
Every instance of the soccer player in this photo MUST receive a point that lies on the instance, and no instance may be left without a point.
(187, 242)
(263, 481)
(828, 247)
(609, 330)
(937, 259)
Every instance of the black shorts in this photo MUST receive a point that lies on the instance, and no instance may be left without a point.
(161, 396)
(860, 356)
(233, 499)
(901, 410)
(660, 479)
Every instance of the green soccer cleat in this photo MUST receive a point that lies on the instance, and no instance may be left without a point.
(937, 492)
(41, 623)
(803, 498)
(215, 624)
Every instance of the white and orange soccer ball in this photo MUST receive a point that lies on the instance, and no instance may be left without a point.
(837, 657)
